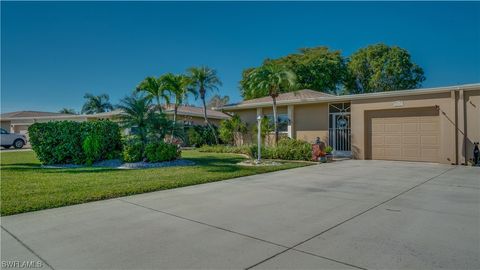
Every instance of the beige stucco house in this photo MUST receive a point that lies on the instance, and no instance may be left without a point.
(19, 122)
(432, 125)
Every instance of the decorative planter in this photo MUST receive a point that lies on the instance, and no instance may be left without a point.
(329, 157)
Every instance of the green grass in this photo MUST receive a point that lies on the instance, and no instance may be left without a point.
(25, 186)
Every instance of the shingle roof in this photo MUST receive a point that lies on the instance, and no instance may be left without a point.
(290, 96)
(196, 111)
(29, 114)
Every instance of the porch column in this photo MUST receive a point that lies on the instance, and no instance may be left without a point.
(291, 121)
(461, 129)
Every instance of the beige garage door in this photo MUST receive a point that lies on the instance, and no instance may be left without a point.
(404, 134)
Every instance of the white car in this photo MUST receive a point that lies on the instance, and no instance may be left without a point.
(8, 139)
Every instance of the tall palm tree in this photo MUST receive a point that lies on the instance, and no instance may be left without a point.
(204, 79)
(272, 79)
(179, 87)
(96, 104)
(155, 89)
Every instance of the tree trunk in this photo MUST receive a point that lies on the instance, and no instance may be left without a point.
(159, 106)
(206, 119)
(275, 118)
(175, 110)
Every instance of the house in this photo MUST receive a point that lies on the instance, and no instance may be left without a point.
(432, 125)
(19, 122)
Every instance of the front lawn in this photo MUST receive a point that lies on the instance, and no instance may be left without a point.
(27, 187)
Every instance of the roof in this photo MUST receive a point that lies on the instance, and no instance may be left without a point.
(182, 110)
(195, 111)
(28, 114)
(292, 99)
(290, 96)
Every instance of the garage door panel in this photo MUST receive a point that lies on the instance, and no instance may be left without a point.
(393, 140)
(411, 139)
(410, 153)
(429, 140)
(378, 140)
(410, 127)
(393, 127)
(404, 134)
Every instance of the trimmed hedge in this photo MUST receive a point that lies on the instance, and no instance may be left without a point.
(287, 149)
(161, 151)
(69, 142)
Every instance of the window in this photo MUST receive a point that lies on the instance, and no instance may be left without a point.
(4, 131)
(282, 122)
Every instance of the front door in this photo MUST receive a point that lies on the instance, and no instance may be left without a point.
(339, 131)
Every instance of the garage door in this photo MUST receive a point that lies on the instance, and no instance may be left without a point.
(404, 134)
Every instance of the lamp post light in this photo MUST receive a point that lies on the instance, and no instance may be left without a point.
(259, 138)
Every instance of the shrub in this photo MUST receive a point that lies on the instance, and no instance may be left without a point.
(65, 142)
(200, 135)
(132, 150)
(287, 149)
(91, 148)
(194, 137)
(328, 149)
(160, 151)
(232, 130)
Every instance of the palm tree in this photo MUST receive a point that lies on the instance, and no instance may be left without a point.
(204, 79)
(272, 79)
(179, 87)
(138, 113)
(155, 89)
(96, 104)
(67, 111)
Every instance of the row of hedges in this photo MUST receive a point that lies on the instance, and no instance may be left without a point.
(68, 142)
(287, 149)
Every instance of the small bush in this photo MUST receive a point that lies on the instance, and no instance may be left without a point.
(160, 151)
(132, 150)
(67, 142)
(200, 135)
(194, 137)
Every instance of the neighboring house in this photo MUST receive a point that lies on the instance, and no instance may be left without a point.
(433, 125)
(19, 122)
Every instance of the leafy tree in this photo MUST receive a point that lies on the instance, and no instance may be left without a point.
(382, 68)
(316, 68)
(204, 79)
(67, 111)
(96, 104)
(178, 87)
(271, 80)
(155, 89)
(231, 129)
(218, 101)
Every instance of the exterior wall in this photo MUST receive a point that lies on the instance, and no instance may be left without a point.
(5, 125)
(445, 102)
(311, 121)
(472, 120)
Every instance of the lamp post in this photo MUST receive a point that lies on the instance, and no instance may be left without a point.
(259, 138)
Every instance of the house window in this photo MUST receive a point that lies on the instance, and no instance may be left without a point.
(282, 122)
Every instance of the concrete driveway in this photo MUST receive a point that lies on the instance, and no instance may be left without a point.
(344, 215)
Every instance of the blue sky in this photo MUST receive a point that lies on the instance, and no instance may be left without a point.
(54, 52)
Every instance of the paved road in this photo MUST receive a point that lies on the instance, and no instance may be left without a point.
(343, 215)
